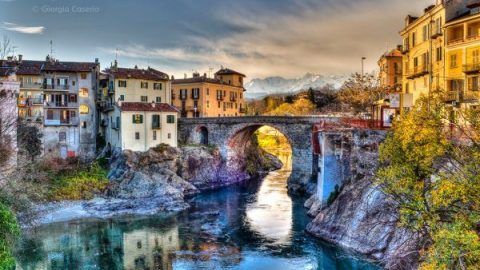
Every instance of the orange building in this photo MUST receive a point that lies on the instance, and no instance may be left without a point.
(201, 96)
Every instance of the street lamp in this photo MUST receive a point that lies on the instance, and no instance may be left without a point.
(363, 65)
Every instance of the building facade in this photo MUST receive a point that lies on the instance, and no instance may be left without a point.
(136, 110)
(59, 97)
(463, 59)
(200, 96)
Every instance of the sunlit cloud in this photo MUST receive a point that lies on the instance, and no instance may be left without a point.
(22, 29)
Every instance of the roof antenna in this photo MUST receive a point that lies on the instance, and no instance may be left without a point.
(51, 48)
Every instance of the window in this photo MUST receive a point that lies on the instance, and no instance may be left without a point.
(219, 104)
(144, 98)
(144, 85)
(84, 124)
(157, 86)
(195, 93)
(118, 122)
(208, 92)
(171, 119)
(158, 100)
(84, 109)
(154, 135)
(83, 76)
(169, 135)
(122, 97)
(72, 98)
(73, 83)
(208, 104)
(122, 83)
(62, 136)
(453, 61)
(439, 54)
(414, 34)
(473, 83)
(137, 135)
(155, 121)
(183, 94)
(415, 62)
(425, 32)
(475, 56)
(137, 119)
(83, 92)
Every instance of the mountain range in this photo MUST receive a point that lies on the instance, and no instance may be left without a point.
(259, 88)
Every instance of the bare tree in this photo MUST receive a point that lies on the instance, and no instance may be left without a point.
(6, 47)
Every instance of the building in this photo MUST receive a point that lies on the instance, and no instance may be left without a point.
(200, 96)
(390, 78)
(462, 35)
(69, 90)
(60, 98)
(136, 110)
(424, 47)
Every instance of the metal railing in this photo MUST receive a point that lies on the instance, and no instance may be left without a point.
(56, 86)
(31, 85)
(471, 68)
(73, 121)
(61, 104)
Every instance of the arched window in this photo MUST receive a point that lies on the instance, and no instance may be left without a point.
(84, 109)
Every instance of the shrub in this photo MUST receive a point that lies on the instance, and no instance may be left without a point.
(81, 184)
(9, 231)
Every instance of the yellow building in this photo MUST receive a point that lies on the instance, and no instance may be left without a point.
(424, 63)
(463, 59)
(30, 99)
(136, 110)
(201, 96)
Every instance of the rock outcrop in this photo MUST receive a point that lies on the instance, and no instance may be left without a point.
(165, 176)
(361, 218)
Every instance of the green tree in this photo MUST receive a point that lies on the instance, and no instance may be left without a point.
(359, 93)
(435, 183)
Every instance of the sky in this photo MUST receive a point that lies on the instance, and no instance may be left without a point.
(260, 38)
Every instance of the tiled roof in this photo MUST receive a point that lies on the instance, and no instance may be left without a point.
(393, 53)
(68, 66)
(25, 67)
(200, 79)
(227, 71)
(136, 73)
(146, 107)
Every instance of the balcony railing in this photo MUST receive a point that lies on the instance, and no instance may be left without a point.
(471, 68)
(105, 106)
(451, 96)
(73, 121)
(473, 37)
(242, 110)
(405, 49)
(27, 102)
(455, 41)
(471, 96)
(30, 85)
(437, 33)
(61, 87)
(61, 105)
(417, 72)
(220, 97)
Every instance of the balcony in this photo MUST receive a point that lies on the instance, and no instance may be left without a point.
(233, 99)
(105, 106)
(242, 110)
(471, 96)
(471, 68)
(73, 121)
(452, 96)
(56, 87)
(220, 97)
(416, 72)
(473, 38)
(28, 102)
(405, 49)
(31, 85)
(455, 41)
(436, 34)
(61, 105)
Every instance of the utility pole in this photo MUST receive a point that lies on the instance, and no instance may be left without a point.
(363, 70)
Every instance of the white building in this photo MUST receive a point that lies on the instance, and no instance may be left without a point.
(137, 114)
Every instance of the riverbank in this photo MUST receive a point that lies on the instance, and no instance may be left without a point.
(160, 180)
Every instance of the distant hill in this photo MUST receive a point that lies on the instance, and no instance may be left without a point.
(259, 88)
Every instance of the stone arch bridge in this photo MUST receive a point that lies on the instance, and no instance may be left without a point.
(231, 135)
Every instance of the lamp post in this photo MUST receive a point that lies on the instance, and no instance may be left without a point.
(363, 65)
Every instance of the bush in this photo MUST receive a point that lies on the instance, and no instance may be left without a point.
(81, 184)
(9, 231)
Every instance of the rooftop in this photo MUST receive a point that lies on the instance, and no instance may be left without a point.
(146, 107)
(136, 73)
(35, 67)
(227, 71)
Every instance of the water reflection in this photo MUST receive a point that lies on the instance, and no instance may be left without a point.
(251, 226)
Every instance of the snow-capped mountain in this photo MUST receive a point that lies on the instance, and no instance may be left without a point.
(258, 88)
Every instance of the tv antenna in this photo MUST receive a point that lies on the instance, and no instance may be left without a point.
(116, 54)
(51, 47)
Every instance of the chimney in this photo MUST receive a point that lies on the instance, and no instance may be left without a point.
(136, 67)
(20, 58)
(9, 58)
(173, 77)
(185, 75)
(399, 47)
(205, 75)
(96, 61)
(115, 64)
(196, 75)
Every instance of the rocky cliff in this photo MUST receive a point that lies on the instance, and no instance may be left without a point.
(361, 218)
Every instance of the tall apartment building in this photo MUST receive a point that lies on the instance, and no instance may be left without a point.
(424, 47)
(60, 97)
(462, 35)
(200, 96)
(136, 110)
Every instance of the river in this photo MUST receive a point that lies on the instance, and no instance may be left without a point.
(256, 225)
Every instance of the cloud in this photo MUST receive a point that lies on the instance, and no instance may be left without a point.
(329, 37)
(22, 29)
